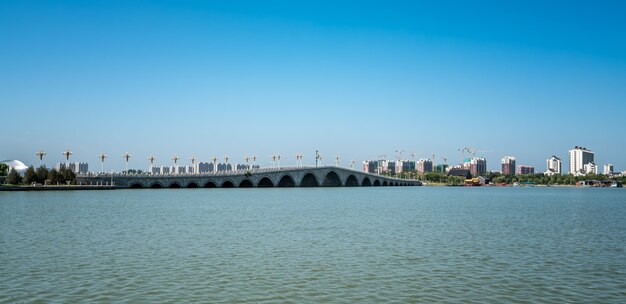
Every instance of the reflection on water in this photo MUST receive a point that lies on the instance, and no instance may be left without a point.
(415, 244)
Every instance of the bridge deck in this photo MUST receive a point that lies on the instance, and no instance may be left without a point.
(328, 176)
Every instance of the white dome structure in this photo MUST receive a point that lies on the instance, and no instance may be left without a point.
(15, 164)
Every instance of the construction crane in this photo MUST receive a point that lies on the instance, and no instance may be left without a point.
(445, 160)
(462, 150)
(473, 151)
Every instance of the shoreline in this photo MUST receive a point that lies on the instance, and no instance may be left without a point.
(57, 188)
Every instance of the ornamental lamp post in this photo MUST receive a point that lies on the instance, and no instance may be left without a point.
(151, 159)
(102, 157)
(41, 153)
(214, 159)
(67, 154)
(298, 160)
(175, 159)
(193, 163)
(247, 158)
(127, 156)
(317, 157)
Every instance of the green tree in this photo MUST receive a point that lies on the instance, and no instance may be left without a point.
(54, 177)
(68, 176)
(13, 178)
(42, 174)
(500, 179)
(30, 176)
(4, 169)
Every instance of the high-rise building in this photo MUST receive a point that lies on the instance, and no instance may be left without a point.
(388, 167)
(553, 165)
(370, 166)
(590, 168)
(578, 158)
(478, 166)
(78, 168)
(521, 169)
(405, 166)
(608, 169)
(508, 165)
(441, 168)
(424, 165)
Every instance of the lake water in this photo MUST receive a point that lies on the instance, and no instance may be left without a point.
(350, 245)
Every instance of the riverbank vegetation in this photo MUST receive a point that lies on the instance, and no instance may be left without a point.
(498, 178)
(41, 175)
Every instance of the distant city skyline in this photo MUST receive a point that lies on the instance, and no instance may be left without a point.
(354, 79)
(298, 159)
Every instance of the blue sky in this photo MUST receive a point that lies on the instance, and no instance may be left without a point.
(354, 78)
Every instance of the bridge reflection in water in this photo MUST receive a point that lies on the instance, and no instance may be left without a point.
(328, 176)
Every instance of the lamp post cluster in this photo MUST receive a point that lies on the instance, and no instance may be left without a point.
(276, 161)
(151, 159)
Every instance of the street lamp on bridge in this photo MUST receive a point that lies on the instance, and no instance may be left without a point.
(317, 157)
(298, 160)
(151, 159)
(193, 164)
(102, 157)
(127, 156)
(214, 159)
(175, 159)
(247, 158)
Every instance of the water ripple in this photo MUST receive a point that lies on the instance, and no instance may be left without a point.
(314, 245)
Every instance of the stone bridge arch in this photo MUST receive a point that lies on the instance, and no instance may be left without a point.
(136, 185)
(174, 185)
(332, 180)
(351, 181)
(265, 182)
(309, 180)
(287, 181)
(228, 184)
(156, 185)
(210, 184)
(246, 183)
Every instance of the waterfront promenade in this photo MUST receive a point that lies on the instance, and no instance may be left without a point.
(302, 176)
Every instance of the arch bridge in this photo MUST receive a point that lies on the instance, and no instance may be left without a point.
(328, 176)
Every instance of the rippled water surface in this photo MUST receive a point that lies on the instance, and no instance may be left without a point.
(407, 244)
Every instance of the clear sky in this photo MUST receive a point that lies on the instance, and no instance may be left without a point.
(354, 78)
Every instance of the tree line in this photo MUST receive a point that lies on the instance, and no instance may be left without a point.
(498, 178)
(41, 175)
